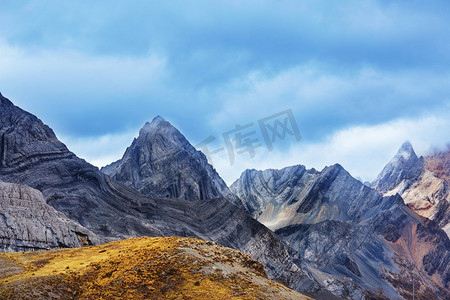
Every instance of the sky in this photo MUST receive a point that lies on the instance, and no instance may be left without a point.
(359, 77)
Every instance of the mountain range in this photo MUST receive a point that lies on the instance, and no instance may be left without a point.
(352, 238)
(32, 155)
(323, 233)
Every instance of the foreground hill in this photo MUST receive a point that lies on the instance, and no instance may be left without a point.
(142, 268)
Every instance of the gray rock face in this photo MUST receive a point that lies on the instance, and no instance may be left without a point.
(32, 155)
(271, 188)
(162, 163)
(422, 183)
(28, 223)
(355, 242)
(294, 195)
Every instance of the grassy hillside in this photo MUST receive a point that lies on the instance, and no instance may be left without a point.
(142, 268)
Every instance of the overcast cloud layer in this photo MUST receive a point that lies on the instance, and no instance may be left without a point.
(361, 77)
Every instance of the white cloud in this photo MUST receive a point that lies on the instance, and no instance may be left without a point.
(314, 90)
(61, 73)
(103, 150)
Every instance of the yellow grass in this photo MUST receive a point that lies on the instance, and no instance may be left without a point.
(142, 268)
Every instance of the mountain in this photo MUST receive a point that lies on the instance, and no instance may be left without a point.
(28, 223)
(31, 154)
(143, 268)
(401, 171)
(162, 163)
(423, 183)
(356, 242)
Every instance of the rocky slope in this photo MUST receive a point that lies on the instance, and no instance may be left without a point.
(270, 193)
(423, 183)
(439, 164)
(28, 223)
(32, 155)
(162, 163)
(357, 243)
(144, 268)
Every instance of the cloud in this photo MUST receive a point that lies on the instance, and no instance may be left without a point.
(325, 101)
(100, 151)
(80, 94)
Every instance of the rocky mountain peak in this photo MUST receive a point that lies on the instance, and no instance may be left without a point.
(404, 167)
(160, 136)
(158, 123)
(22, 136)
(406, 151)
(162, 163)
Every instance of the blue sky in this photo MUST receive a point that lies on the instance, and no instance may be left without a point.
(360, 76)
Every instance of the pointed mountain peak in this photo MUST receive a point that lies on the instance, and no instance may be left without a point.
(156, 126)
(158, 118)
(162, 163)
(406, 151)
(156, 121)
(404, 166)
(407, 146)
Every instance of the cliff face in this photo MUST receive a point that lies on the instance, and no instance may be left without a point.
(356, 242)
(162, 163)
(32, 155)
(28, 223)
(423, 183)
